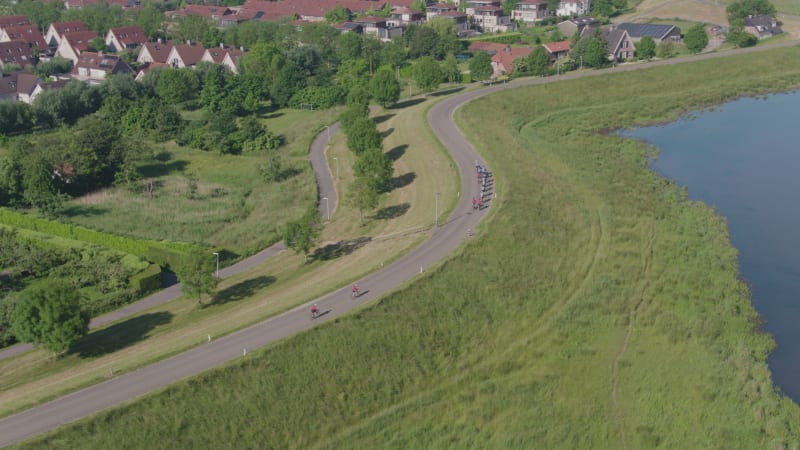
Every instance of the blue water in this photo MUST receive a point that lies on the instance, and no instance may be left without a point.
(744, 159)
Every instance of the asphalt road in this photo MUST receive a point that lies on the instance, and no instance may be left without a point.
(443, 240)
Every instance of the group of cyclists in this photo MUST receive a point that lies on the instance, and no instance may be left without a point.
(484, 180)
(315, 310)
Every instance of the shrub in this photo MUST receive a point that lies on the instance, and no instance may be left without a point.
(148, 280)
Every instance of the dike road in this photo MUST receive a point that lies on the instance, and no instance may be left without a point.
(443, 240)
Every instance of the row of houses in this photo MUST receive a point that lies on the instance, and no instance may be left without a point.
(620, 40)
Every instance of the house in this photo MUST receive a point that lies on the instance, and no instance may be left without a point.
(658, 32)
(573, 26)
(185, 55)
(41, 87)
(147, 67)
(93, 68)
(573, 8)
(439, 8)
(762, 26)
(74, 43)
(404, 17)
(226, 56)
(459, 19)
(215, 13)
(502, 61)
(18, 86)
(56, 29)
(11, 21)
(530, 11)
(16, 52)
(490, 19)
(29, 34)
(489, 47)
(619, 44)
(125, 38)
(378, 27)
(154, 52)
(557, 50)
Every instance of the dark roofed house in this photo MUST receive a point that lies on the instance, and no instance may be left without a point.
(96, 67)
(10, 21)
(15, 52)
(619, 44)
(18, 86)
(185, 55)
(30, 34)
(154, 52)
(74, 43)
(557, 49)
(125, 38)
(502, 61)
(56, 29)
(762, 26)
(576, 25)
(658, 32)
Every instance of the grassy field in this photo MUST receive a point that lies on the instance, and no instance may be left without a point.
(346, 252)
(607, 311)
(233, 208)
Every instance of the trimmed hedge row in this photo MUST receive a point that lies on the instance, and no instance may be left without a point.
(138, 247)
(148, 280)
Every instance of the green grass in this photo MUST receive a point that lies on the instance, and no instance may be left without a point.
(233, 209)
(598, 308)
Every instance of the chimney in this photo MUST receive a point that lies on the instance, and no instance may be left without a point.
(188, 42)
(221, 45)
(159, 41)
(241, 48)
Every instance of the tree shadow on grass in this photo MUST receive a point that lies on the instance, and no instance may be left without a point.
(391, 212)
(83, 210)
(383, 118)
(407, 103)
(397, 152)
(242, 290)
(400, 181)
(120, 335)
(385, 134)
(161, 169)
(341, 248)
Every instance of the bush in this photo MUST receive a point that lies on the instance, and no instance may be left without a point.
(510, 38)
(148, 280)
(321, 97)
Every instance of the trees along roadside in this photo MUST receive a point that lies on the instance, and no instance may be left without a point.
(696, 38)
(301, 235)
(480, 66)
(646, 49)
(197, 274)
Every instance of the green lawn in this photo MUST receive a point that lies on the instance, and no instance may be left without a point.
(598, 308)
(234, 208)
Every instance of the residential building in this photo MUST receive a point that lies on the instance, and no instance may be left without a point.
(228, 57)
(619, 44)
(41, 87)
(658, 32)
(557, 50)
(11, 21)
(56, 29)
(154, 52)
(762, 26)
(185, 55)
(490, 19)
(29, 34)
(18, 86)
(16, 52)
(74, 43)
(147, 67)
(570, 27)
(404, 17)
(125, 38)
(460, 20)
(215, 13)
(530, 11)
(93, 68)
(573, 8)
(503, 60)
(378, 27)
(439, 8)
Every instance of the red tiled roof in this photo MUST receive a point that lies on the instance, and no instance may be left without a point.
(505, 57)
(203, 10)
(158, 50)
(308, 8)
(370, 19)
(130, 35)
(68, 27)
(79, 40)
(401, 3)
(10, 21)
(17, 52)
(27, 33)
(217, 54)
(480, 46)
(190, 53)
(556, 47)
(101, 61)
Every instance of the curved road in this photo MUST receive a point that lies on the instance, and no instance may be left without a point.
(443, 240)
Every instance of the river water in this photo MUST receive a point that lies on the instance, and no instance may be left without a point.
(744, 159)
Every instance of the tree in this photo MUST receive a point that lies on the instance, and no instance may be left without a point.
(740, 9)
(362, 195)
(665, 50)
(362, 135)
(39, 189)
(196, 274)
(338, 14)
(419, 5)
(591, 50)
(646, 48)
(384, 88)
(150, 18)
(450, 69)
(539, 60)
(352, 73)
(394, 53)
(375, 166)
(50, 315)
(696, 38)
(177, 85)
(741, 39)
(423, 41)
(300, 235)
(427, 73)
(348, 46)
(371, 49)
(480, 66)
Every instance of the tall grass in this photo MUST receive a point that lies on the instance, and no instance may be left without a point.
(597, 309)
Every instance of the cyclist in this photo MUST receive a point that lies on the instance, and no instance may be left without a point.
(355, 290)
(314, 311)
